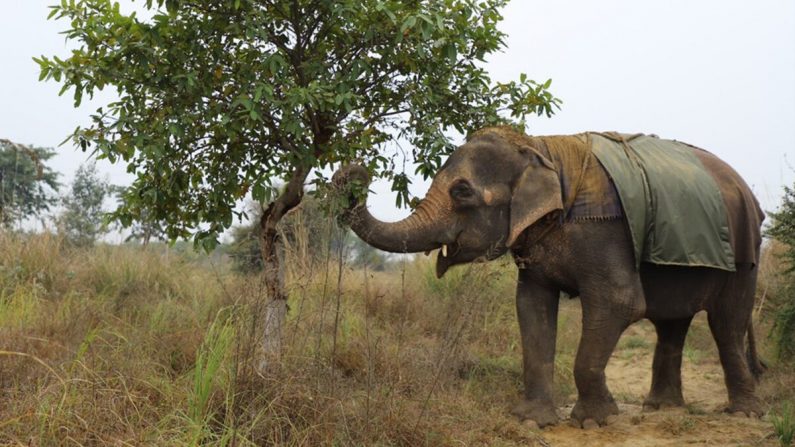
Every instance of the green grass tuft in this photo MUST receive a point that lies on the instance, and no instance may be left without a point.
(207, 374)
(784, 424)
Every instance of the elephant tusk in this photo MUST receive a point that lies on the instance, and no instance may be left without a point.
(444, 250)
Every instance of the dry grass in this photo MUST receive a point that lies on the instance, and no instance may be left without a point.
(121, 346)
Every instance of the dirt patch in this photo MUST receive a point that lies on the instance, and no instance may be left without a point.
(701, 422)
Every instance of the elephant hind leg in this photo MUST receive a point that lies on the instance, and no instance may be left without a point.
(729, 321)
(666, 381)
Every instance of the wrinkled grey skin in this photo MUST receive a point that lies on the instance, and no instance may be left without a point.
(478, 205)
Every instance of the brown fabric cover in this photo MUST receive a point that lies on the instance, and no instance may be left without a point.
(588, 193)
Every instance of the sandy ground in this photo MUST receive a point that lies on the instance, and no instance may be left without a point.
(701, 422)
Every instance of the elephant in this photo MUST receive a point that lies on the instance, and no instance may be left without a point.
(502, 191)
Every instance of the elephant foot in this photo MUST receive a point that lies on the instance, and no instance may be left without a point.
(746, 407)
(657, 401)
(593, 413)
(541, 412)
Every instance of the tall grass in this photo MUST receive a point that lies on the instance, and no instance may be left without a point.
(210, 359)
(119, 345)
(116, 345)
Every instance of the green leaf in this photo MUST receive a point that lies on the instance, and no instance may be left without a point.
(258, 192)
(45, 71)
(408, 23)
(451, 52)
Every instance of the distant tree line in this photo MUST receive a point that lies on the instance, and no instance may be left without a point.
(29, 189)
(27, 184)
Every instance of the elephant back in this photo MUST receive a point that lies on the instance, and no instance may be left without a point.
(743, 211)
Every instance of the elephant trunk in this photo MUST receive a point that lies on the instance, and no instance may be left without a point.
(430, 226)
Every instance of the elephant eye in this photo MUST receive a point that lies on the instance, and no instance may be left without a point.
(461, 190)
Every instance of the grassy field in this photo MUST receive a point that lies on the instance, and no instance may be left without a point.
(117, 345)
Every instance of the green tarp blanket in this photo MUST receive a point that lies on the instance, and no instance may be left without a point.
(673, 206)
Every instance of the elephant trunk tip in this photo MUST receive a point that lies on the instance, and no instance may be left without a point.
(351, 173)
(418, 232)
(346, 181)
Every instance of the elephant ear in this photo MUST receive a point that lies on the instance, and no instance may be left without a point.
(536, 194)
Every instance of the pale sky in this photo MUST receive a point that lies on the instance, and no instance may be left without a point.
(714, 73)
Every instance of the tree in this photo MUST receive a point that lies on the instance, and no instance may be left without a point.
(222, 98)
(27, 186)
(306, 228)
(310, 232)
(146, 227)
(82, 218)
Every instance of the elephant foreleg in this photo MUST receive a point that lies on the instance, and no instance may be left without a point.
(666, 381)
(537, 310)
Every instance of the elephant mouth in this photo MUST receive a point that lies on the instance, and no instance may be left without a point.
(447, 253)
(446, 258)
(454, 253)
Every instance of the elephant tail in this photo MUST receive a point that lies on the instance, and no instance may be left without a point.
(755, 364)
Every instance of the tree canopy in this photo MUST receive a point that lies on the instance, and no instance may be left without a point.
(218, 99)
(27, 185)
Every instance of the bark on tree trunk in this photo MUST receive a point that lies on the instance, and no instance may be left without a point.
(273, 312)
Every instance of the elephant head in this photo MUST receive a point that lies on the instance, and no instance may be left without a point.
(488, 192)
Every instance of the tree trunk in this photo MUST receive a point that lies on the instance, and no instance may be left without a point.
(273, 312)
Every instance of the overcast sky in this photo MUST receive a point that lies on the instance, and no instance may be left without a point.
(717, 74)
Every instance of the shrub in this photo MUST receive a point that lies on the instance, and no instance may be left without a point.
(783, 230)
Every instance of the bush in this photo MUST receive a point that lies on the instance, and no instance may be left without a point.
(784, 325)
(783, 230)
